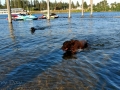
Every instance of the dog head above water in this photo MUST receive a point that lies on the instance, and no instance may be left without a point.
(32, 29)
(74, 45)
(66, 46)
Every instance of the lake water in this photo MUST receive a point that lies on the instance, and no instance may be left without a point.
(35, 61)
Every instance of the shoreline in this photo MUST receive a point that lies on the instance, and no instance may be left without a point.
(63, 11)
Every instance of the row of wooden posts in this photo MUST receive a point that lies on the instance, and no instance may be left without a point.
(48, 10)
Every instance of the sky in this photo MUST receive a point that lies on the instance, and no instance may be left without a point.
(80, 1)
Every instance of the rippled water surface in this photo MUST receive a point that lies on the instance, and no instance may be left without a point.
(35, 61)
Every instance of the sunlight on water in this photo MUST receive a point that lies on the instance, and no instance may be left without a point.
(34, 59)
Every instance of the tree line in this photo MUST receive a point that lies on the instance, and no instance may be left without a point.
(35, 5)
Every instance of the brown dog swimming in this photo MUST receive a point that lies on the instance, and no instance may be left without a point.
(73, 45)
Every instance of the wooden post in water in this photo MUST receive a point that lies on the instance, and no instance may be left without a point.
(69, 9)
(48, 10)
(9, 11)
(91, 3)
(82, 8)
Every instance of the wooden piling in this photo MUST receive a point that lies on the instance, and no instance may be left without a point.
(9, 11)
(69, 16)
(82, 8)
(91, 3)
(48, 10)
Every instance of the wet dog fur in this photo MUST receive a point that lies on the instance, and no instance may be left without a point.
(73, 45)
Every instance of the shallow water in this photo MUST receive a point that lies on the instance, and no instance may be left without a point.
(35, 61)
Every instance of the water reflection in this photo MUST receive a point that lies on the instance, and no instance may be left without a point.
(69, 26)
(11, 31)
(68, 55)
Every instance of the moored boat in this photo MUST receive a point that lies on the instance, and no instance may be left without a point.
(18, 17)
(52, 16)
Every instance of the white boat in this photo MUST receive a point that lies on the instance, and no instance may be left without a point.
(52, 16)
(13, 11)
(18, 17)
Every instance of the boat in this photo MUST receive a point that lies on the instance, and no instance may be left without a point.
(31, 17)
(43, 16)
(18, 17)
(52, 16)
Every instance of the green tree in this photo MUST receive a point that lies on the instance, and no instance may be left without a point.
(36, 5)
(85, 6)
(55, 5)
(118, 7)
(113, 6)
(5, 5)
(73, 5)
(77, 4)
(19, 3)
(44, 5)
(59, 6)
(52, 6)
(102, 6)
(1, 6)
(12, 3)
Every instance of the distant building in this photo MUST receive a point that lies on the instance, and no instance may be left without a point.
(79, 8)
(13, 11)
